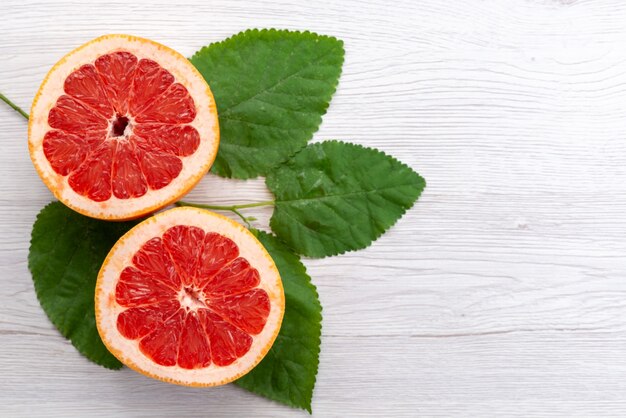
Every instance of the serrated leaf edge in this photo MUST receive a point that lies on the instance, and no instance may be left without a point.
(420, 179)
(45, 306)
(272, 31)
(319, 319)
(276, 33)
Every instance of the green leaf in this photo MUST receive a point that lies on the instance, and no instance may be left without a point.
(334, 197)
(66, 252)
(271, 88)
(287, 373)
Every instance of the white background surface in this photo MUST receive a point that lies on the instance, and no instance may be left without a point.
(503, 292)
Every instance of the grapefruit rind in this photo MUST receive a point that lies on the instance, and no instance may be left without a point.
(120, 256)
(195, 166)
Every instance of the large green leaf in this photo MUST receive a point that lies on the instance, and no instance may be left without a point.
(271, 88)
(287, 373)
(66, 252)
(334, 197)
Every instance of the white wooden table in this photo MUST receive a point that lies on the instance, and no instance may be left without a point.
(503, 292)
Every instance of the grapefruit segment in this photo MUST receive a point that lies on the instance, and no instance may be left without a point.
(138, 322)
(218, 250)
(189, 297)
(159, 137)
(237, 276)
(247, 311)
(65, 151)
(117, 72)
(84, 86)
(92, 178)
(159, 168)
(73, 116)
(150, 82)
(153, 259)
(127, 178)
(194, 351)
(162, 344)
(228, 343)
(174, 106)
(184, 244)
(138, 288)
(122, 126)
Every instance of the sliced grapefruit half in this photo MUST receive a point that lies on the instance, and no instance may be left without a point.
(121, 127)
(189, 297)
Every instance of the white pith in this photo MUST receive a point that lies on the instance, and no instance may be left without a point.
(107, 309)
(188, 302)
(194, 166)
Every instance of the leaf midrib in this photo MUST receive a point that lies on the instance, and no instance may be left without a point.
(360, 192)
(228, 109)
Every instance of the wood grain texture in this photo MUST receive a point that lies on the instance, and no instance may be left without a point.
(502, 293)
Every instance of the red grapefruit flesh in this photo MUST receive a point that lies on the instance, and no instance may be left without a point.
(189, 297)
(122, 126)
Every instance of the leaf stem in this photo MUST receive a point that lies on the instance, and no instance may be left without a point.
(243, 218)
(227, 207)
(232, 208)
(13, 105)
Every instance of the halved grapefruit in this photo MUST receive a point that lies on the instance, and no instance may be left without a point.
(189, 297)
(121, 127)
